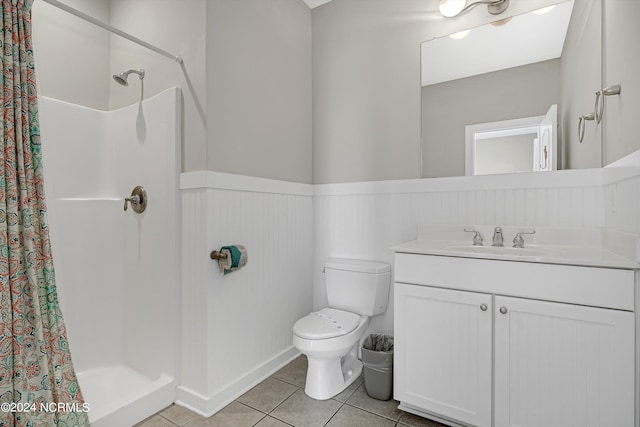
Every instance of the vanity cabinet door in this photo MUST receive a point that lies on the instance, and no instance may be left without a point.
(562, 365)
(442, 361)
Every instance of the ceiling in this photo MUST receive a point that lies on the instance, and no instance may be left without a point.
(315, 3)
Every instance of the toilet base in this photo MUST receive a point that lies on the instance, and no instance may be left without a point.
(328, 377)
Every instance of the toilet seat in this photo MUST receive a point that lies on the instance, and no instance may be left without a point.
(326, 323)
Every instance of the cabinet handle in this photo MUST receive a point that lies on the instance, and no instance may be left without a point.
(503, 310)
(483, 307)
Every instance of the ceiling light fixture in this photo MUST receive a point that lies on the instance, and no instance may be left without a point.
(451, 8)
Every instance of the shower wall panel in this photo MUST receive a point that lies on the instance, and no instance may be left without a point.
(147, 154)
(117, 272)
(84, 225)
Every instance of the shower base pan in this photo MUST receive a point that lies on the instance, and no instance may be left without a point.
(120, 396)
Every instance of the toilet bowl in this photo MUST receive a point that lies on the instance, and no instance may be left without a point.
(332, 355)
(330, 338)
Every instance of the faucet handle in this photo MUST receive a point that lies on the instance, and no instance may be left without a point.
(518, 241)
(477, 238)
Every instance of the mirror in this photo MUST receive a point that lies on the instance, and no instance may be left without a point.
(512, 69)
(512, 146)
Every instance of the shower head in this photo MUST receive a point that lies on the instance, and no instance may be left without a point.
(121, 78)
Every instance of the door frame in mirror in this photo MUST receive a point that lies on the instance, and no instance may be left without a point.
(501, 128)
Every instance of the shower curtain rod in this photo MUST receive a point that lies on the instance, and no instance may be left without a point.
(114, 30)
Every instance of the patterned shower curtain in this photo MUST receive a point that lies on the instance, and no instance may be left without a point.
(38, 386)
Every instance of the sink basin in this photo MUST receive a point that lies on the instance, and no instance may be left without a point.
(495, 250)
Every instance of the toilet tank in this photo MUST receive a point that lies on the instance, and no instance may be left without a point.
(358, 286)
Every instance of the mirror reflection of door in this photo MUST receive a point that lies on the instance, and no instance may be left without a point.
(548, 145)
(512, 146)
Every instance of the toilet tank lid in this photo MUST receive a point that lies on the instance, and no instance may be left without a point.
(357, 265)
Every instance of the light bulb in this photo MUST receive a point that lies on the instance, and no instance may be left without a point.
(451, 8)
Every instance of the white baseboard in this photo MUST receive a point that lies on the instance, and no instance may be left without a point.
(209, 405)
(427, 415)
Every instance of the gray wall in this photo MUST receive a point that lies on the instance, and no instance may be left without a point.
(582, 76)
(366, 100)
(259, 88)
(71, 55)
(250, 59)
(501, 95)
(75, 59)
(622, 62)
(176, 26)
(366, 84)
(580, 79)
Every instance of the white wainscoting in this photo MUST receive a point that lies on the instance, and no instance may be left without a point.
(237, 329)
(622, 205)
(363, 220)
(367, 225)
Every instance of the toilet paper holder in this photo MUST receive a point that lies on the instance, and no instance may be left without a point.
(218, 255)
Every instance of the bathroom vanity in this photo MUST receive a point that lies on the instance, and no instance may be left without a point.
(539, 336)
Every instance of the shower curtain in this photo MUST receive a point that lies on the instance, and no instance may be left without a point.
(38, 386)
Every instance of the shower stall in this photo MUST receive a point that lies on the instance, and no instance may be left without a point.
(117, 271)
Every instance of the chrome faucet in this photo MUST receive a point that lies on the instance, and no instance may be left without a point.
(497, 237)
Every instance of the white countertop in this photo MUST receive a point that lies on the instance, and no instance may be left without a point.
(589, 256)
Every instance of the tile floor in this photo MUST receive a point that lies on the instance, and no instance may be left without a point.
(280, 401)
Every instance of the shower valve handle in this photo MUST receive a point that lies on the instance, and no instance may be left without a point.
(134, 200)
(138, 200)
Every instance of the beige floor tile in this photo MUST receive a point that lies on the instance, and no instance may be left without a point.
(155, 421)
(178, 414)
(294, 408)
(388, 409)
(267, 395)
(271, 422)
(346, 393)
(233, 415)
(407, 419)
(295, 372)
(348, 416)
(301, 410)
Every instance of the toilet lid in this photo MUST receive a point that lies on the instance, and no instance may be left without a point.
(326, 323)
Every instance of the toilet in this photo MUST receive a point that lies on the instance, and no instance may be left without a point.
(356, 291)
